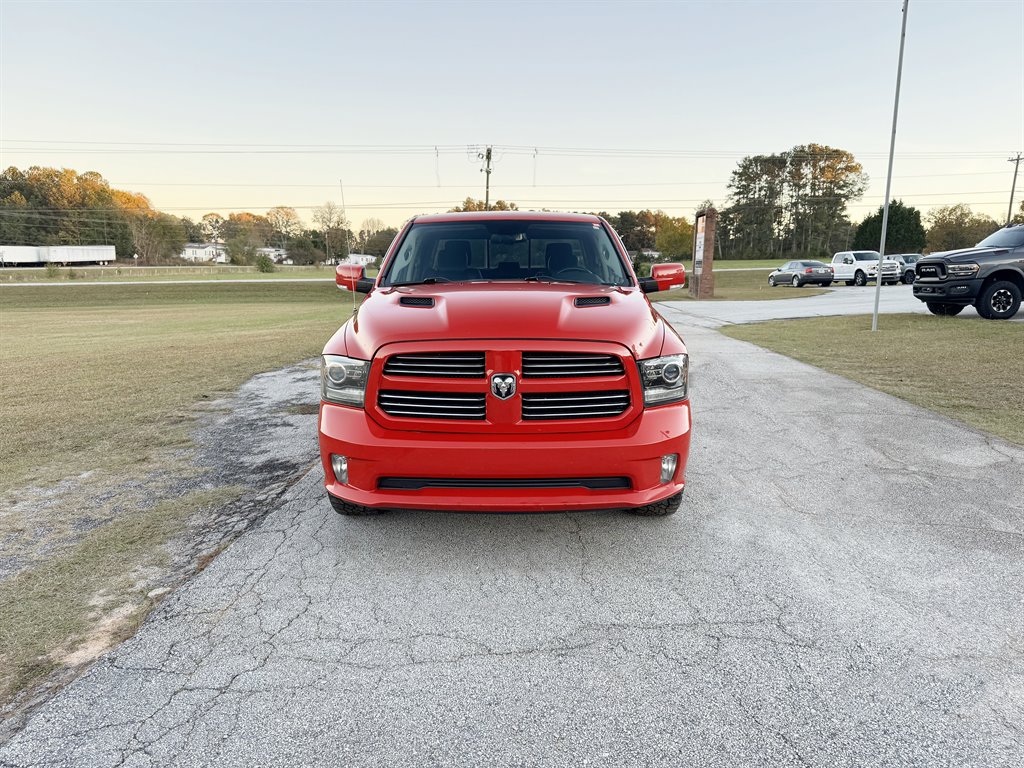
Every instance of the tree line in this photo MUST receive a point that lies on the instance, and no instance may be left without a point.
(51, 206)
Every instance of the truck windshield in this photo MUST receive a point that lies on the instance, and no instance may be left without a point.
(1004, 238)
(866, 255)
(549, 251)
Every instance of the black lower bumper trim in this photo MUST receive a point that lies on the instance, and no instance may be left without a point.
(419, 483)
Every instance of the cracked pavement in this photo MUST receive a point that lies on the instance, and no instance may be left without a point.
(837, 590)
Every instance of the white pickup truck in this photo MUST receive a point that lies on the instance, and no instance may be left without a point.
(860, 267)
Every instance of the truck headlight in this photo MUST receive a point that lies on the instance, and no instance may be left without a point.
(664, 379)
(343, 379)
(962, 270)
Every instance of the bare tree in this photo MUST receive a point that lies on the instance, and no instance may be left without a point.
(285, 221)
(332, 222)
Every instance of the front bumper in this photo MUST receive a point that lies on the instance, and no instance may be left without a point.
(948, 291)
(633, 452)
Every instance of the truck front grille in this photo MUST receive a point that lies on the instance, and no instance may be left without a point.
(433, 405)
(564, 365)
(574, 405)
(933, 271)
(437, 365)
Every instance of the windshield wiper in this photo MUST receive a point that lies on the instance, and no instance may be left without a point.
(548, 279)
(424, 281)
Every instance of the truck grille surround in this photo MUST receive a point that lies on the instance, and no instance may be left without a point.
(596, 385)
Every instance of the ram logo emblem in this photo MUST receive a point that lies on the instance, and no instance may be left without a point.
(503, 385)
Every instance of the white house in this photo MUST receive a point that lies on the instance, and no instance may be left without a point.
(214, 252)
(359, 259)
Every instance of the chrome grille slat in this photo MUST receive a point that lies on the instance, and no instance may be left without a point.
(574, 405)
(437, 365)
(433, 405)
(569, 366)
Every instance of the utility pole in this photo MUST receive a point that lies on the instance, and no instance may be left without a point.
(486, 157)
(888, 179)
(1013, 187)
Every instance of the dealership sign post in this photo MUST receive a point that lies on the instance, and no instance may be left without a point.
(702, 279)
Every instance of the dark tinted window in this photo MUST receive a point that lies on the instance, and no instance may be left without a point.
(507, 250)
(1011, 237)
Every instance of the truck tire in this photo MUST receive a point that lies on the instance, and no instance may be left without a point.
(908, 277)
(342, 507)
(860, 278)
(999, 301)
(946, 310)
(661, 508)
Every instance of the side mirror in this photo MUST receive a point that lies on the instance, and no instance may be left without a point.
(352, 277)
(667, 275)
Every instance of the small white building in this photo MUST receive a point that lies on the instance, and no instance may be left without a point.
(214, 252)
(277, 255)
(57, 254)
(359, 259)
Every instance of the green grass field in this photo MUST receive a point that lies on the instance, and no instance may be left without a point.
(104, 380)
(967, 370)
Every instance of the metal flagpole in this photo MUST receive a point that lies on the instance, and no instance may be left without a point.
(888, 180)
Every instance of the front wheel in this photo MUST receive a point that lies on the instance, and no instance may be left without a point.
(796, 282)
(908, 278)
(661, 508)
(1000, 301)
(771, 280)
(945, 310)
(860, 278)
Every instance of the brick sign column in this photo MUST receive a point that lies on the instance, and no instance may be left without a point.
(702, 279)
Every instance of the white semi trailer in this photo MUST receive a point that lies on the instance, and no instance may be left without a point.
(31, 255)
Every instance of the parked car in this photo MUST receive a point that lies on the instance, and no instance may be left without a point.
(861, 267)
(906, 262)
(990, 276)
(505, 361)
(800, 273)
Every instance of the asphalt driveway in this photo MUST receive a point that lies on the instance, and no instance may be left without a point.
(836, 591)
(845, 300)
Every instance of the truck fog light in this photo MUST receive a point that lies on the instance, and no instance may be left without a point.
(668, 467)
(340, 466)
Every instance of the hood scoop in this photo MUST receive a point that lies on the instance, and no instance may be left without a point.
(592, 301)
(416, 301)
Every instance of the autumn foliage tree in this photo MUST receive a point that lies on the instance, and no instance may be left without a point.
(957, 226)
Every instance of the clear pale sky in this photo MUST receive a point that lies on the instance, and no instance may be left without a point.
(697, 85)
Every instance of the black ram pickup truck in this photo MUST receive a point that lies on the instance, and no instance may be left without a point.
(990, 276)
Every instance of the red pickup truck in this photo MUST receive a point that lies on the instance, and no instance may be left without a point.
(505, 362)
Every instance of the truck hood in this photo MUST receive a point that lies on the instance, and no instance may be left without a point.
(500, 310)
(962, 254)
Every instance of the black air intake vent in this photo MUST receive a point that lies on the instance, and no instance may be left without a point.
(419, 483)
(433, 405)
(556, 365)
(592, 301)
(574, 405)
(437, 365)
(416, 301)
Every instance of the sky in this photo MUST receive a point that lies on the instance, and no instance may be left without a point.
(383, 107)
